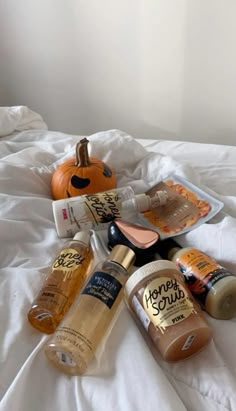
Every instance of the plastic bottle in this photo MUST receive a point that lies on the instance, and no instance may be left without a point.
(94, 210)
(213, 285)
(165, 311)
(68, 274)
(73, 345)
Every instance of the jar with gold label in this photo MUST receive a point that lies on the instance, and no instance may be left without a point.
(163, 306)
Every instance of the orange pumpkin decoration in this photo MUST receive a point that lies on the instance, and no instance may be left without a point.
(81, 175)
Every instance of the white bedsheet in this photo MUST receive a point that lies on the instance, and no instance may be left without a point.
(130, 379)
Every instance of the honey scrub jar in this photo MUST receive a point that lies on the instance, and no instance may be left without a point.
(163, 306)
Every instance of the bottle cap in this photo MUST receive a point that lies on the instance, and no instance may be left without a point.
(165, 246)
(83, 236)
(122, 255)
(145, 202)
(160, 198)
(142, 202)
(142, 240)
(146, 271)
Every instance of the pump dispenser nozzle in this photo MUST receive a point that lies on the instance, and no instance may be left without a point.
(145, 202)
(160, 198)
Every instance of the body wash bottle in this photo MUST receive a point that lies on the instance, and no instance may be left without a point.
(210, 283)
(73, 345)
(92, 211)
(68, 274)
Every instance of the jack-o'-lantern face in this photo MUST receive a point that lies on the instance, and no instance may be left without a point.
(81, 175)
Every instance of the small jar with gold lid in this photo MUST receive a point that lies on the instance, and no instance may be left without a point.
(163, 306)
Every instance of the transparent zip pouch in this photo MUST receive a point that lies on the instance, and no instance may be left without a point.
(187, 208)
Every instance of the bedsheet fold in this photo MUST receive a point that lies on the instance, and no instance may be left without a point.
(18, 118)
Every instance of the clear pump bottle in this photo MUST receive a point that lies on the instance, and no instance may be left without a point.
(73, 345)
(68, 274)
(94, 210)
(210, 283)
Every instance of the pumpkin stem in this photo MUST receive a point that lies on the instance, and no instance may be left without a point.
(81, 150)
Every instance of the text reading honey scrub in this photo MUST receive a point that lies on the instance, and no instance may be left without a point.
(158, 297)
(166, 302)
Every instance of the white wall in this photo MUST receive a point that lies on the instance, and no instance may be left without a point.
(163, 69)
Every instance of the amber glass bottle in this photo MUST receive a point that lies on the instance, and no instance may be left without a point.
(68, 274)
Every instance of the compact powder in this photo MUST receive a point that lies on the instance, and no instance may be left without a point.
(142, 240)
(139, 236)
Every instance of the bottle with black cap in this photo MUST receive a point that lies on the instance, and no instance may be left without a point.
(74, 343)
(212, 285)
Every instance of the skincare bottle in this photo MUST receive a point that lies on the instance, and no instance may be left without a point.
(68, 274)
(213, 285)
(165, 311)
(93, 211)
(73, 345)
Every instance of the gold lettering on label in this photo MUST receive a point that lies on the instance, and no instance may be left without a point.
(68, 260)
(166, 302)
(103, 207)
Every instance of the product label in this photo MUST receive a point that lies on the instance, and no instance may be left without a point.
(77, 217)
(91, 210)
(77, 343)
(103, 207)
(65, 359)
(166, 302)
(104, 287)
(52, 299)
(58, 286)
(42, 316)
(141, 313)
(200, 271)
(68, 260)
(188, 342)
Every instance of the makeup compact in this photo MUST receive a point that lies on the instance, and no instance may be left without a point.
(142, 240)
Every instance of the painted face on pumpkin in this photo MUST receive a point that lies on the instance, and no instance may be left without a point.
(81, 175)
(80, 182)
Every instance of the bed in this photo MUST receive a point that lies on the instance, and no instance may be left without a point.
(130, 378)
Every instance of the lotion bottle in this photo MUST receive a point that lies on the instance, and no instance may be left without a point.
(210, 283)
(93, 211)
(68, 274)
(73, 345)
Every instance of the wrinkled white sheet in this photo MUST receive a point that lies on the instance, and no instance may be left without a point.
(19, 118)
(130, 378)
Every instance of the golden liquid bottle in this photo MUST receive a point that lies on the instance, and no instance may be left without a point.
(73, 345)
(69, 272)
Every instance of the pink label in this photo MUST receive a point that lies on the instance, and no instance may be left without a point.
(64, 213)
